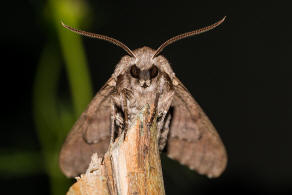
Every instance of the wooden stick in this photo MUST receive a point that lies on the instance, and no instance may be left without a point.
(130, 166)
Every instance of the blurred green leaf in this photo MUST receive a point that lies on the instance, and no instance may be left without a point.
(54, 117)
(72, 12)
(47, 118)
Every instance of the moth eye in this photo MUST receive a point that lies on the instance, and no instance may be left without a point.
(135, 71)
(153, 71)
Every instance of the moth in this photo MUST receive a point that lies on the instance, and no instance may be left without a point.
(144, 76)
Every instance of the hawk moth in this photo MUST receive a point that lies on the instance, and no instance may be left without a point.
(144, 76)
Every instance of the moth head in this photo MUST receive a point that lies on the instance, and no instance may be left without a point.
(144, 64)
(143, 68)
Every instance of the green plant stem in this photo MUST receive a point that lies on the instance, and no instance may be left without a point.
(73, 53)
(47, 118)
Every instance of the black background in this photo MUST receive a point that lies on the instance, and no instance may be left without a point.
(240, 73)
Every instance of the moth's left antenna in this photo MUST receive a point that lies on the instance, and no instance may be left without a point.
(98, 36)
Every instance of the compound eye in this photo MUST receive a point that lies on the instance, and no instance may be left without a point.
(153, 72)
(135, 71)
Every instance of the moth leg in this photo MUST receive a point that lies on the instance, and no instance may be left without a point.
(125, 106)
(160, 122)
(153, 114)
(164, 133)
(117, 120)
(163, 110)
(113, 113)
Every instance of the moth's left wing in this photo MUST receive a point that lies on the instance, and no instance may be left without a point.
(193, 140)
(90, 134)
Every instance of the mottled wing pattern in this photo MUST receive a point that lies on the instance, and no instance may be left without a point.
(90, 134)
(193, 140)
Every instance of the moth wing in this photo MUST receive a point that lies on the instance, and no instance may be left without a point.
(193, 140)
(90, 134)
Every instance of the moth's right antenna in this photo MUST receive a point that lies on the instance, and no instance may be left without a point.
(102, 37)
(187, 34)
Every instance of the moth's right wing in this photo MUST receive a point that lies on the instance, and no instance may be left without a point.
(193, 140)
(90, 134)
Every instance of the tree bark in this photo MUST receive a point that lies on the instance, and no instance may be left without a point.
(130, 166)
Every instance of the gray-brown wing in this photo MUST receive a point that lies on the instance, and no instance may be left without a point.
(90, 134)
(193, 140)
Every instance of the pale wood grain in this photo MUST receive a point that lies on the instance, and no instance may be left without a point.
(130, 166)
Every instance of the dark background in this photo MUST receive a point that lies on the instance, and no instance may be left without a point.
(240, 73)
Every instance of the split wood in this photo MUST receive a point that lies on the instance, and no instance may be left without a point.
(130, 166)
